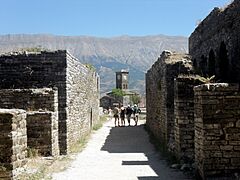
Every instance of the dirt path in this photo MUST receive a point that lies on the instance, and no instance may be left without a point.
(119, 153)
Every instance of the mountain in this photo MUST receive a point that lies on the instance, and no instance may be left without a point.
(108, 55)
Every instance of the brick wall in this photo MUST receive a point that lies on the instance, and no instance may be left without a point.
(82, 100)
(57, 69)
(217, 129)
(42, 116)
(42, 132)
(44, 99)
(184, 117)
(215, 44)
(13, 142)
(160, 93)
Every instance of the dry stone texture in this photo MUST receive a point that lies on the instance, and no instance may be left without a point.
(217, 129)
(215, 44)
(13, 142)
(160, 93)
(77, 85)
(42, 132)
(184, 117)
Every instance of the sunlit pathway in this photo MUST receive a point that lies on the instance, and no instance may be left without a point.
(119, 153)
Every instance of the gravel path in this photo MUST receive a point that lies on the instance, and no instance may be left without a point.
(119, 153)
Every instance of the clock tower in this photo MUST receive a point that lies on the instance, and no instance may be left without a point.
(122, 80)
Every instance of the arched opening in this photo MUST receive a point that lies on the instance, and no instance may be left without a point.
(211, 63)
(203, 65)
(223, 62)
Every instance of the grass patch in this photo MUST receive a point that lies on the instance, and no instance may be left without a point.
(39, 168)
(32, 153)
(99, 124)
(162, 148)
(80, 144)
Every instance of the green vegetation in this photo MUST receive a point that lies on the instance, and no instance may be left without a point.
(34, 49)
(99, 124)
(135, 99)
(32, 153)
(118, 92)
(43, 168)
(206, 80)
(79, 145)
(90, 67)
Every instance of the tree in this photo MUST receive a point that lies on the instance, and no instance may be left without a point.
(135, 99)
(118, 92)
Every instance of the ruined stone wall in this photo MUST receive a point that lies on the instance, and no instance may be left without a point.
(160, 93)
(44, 99)
(82, 99)
(42, 132)
(215, 44)
(13, 142)
(42, 116)
(55, 69)
(184, 117)
(38, 70)
(217, 129)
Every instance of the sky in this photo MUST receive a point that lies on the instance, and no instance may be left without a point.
(104, 18)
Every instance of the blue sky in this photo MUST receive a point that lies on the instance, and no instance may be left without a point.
(104, 18)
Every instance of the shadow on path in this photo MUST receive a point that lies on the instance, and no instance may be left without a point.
(134, 139)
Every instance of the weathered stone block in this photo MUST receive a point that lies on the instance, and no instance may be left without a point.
(13, 142)
(220, 130)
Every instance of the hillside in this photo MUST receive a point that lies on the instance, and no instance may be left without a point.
(107, 54)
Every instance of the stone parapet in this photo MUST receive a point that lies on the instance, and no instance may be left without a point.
(160, 93)
(42, 132)
(13, 142)
(217, 129)
(184, 117)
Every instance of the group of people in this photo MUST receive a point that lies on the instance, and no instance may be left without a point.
(119, 114)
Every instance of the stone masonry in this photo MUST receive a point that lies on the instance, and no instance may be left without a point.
(42, 132)
(42, 116)
(78, 88)
(184, 117)
(160, 93)
(13, 142)
(212, 134)
(215, 44)
(217, 129)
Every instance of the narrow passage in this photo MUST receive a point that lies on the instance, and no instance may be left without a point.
(119, 153)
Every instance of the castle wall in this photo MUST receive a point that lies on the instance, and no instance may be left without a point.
(57, 69)
(42, 132)
(184, 117)
(215, 44)
(160, 93)
(42, 116)
(13, 142)
(82, 99)
(217, 129)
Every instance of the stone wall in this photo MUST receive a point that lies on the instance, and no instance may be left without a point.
(160, 93)
(217, 129)
(13, 142)
(184, 117)
(56, 69)
(82, 100)
(215, 44)
(42, 132)
(42, 116)
(44, 99)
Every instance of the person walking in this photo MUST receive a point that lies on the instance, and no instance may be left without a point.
(135, 114)
(116, 116)
(129, 112)
(122, 116)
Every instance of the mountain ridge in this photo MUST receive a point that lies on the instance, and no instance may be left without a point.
(107, 54)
